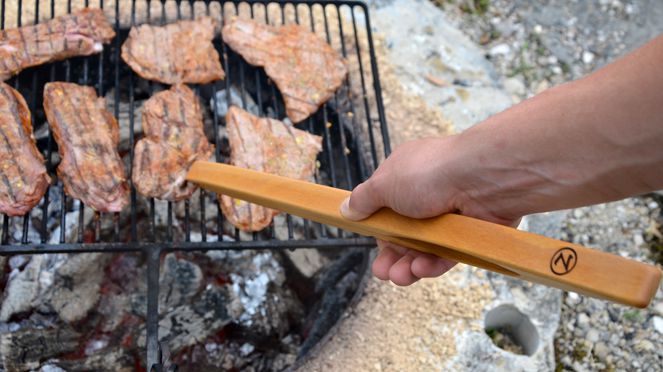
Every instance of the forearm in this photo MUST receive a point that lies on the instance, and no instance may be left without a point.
(594, 140)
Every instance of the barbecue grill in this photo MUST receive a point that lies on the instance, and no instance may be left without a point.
(348, 156)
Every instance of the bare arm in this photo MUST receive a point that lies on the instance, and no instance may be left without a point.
(594, 140)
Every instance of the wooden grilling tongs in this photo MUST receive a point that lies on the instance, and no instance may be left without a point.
(483, 244)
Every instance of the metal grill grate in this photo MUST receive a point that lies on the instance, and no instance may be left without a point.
(352, 124)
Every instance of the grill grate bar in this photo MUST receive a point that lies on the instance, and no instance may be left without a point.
(371, 136)
(152, 321)
(331, 244)
(5, 229)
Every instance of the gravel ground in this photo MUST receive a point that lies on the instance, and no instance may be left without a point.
(538, 44)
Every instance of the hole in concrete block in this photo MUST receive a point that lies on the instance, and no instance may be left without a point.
(511, 330)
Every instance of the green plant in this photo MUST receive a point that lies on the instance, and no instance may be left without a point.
(579, 351)
(632, 315)
(479, 7)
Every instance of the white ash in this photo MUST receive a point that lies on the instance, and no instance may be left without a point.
(247, 349)
(237, 98)
(252, 287)
(17, 262)
(95, 345)
(72, 225)
(51, 368)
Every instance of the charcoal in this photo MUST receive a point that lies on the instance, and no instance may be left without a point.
(25, 349)
(187, 325)
(348, 261)
(331, 308)
(307, 262)
(23, 287)
(76, 285)
(179, 281)
(124, 115)
(108, 360)
(237, 98)
(258, 282)
(67, 284)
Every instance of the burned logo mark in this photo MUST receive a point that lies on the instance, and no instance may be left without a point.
(563, 261)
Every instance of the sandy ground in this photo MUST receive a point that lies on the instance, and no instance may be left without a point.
(406, 329)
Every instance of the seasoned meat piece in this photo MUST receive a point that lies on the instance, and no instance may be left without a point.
(266, 145)
(22, 171)
(305, 68)
(180, 52)
(173, 126)
(87, 136)
(81, 33)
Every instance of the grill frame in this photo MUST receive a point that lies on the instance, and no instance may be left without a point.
(151, 248)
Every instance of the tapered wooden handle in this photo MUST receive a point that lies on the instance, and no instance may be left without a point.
(487, 245)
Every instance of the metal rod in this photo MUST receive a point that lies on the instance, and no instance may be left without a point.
(152, 321)
(328, 243)
(187, 221)
(5, 230)
(49, 153)
(376, 82)
(367, 109)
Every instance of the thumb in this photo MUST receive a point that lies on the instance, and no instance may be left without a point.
(363, 202)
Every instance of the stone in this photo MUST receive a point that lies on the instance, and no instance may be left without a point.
(583, 321)
(593, 335)
(658, 308)
(514, 86)
(644, 346)
(587, 57)
(500, 49)
(446, 53)
(657, 322)
(601, 350)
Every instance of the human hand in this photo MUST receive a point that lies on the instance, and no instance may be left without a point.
(420, 179)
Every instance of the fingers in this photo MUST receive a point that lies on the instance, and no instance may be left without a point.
(363, 202)
(401, 272)
(429, 266)
(404, 266)
(384, 261)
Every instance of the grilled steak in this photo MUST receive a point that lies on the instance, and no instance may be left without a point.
(23, 178)
(180, 52)
(81, 33)
(87, 136)
(304, 67)
(266, 145)
(174, 139)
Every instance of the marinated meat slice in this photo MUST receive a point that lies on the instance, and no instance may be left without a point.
(81, 33)
(173, 126)
(271, 146)
(87, 136)
(160, 171)
(305, 68)
(180, 52)
(23, 177)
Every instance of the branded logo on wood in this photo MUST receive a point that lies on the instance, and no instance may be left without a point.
(563, 261)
